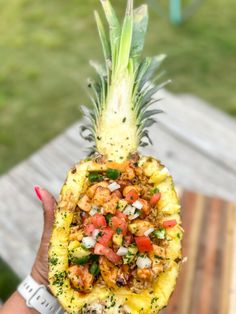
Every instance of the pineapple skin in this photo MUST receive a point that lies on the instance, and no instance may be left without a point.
(147, 302)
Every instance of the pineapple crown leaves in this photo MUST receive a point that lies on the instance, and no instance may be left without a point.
(122, 49)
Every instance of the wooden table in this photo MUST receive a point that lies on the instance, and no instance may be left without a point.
(197, 143)
(207, 282)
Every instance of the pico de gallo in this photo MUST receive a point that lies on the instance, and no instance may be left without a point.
(116, 238)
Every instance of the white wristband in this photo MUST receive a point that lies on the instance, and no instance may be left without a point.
(38, 297)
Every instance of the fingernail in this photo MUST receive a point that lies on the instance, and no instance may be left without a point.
(38, 193)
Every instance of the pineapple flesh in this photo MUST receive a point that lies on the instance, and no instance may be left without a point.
(116, 241)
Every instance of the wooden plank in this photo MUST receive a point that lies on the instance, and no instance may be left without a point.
(208, 110)
(20, 228)
(196, 126)
(207, 281)
(190, 168)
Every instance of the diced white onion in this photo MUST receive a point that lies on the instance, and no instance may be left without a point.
(149, 231)
(113, 186)
(95, 233)
(138, 205)
(129, 210)
(88, 242)
(136, 215)
(143, 262)
(122, 251)
(93, 210)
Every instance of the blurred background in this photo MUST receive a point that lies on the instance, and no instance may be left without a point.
(45, 47)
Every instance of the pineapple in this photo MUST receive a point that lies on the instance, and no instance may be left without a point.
(119, 121)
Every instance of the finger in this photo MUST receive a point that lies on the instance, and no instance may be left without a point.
(49, 203)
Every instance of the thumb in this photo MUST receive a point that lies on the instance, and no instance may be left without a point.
(49, 204)
(40, 267)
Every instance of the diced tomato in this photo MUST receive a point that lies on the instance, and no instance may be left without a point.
(100, 249)
(155, 198)
(88, 229)
(105, 237)
(98, 220)
(169, 223)
(119, 223)
(131, 196)
(128, 239)
(121, 215)
(112, 256)
(144, 244)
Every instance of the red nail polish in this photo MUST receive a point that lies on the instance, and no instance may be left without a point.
(38, 193)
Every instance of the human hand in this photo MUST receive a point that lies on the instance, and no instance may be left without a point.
(40, 267)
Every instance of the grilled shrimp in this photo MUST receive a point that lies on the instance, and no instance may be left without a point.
(129, 174)
(101, 196)
(146, 209)
(145, 274)
(84, 203)
(109, 272)
(80, 278)
(76, 233)
(129, 188)
(123, 275)
(92, 189)
(111, 205)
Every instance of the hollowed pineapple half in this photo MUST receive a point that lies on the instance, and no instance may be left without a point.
(116, 241)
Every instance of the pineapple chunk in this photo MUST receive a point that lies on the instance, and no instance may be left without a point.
(117, 239)
(159, 176)
(139, 227)
(122, 204)
(73, 245)
(76, 251)
(129, 257)
(150, 167)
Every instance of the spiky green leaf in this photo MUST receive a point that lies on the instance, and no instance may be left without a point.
(126, 37)
(114, 29)
(139, 30)
(103, 38)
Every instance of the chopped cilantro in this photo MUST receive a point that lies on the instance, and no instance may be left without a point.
(95, 177)
(59, 278)
(53, 260)
(154, 300)
(155, 190)
(112, 174)
(83, 247)
(118, 230)
(160, 233)
(94, 269)
(108, 217)
(94, 257)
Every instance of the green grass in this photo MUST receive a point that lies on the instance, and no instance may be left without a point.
(8, 281)
(44, 51)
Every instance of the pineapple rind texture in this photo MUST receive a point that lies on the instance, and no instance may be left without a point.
(146, 302)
